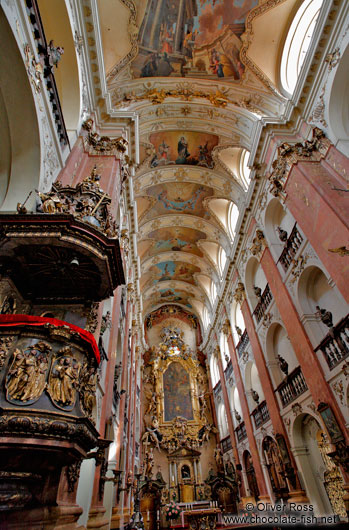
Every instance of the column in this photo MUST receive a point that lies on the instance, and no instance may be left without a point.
(116, 512)
(296, 494)
(322, 212)
(155, 28)
(227, 407)
(97, 510)
(248, 423)
(179, 26)
(301, 344)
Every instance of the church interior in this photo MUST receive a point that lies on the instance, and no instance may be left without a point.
(174, 332)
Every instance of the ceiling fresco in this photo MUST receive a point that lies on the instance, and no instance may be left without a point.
(178, 197)
(171, 295)
(176, 239)
(196, 38)
(174, 270)
(183, 147)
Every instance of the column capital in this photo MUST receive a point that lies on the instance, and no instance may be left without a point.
(226, 328)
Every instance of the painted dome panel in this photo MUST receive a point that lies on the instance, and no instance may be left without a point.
(176, 239)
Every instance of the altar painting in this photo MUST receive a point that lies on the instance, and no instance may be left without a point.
(177, 394)
(196, 38)
(176, 239)
(183, 148)
(178, 197)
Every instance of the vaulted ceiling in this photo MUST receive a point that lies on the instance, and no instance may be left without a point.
(202, 75)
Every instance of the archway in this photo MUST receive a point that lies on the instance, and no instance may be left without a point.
(20, 139)
(323, 479)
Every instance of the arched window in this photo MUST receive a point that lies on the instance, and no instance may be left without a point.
(222, 421)
(297, 43)
(222, 259)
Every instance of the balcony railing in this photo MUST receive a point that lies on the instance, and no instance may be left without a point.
(263, 304)
(242, 344)
(261, 414)
(217, 389)
(226, 444)
(228, 371)
(293, 386)
(335, 346)
(291, 247)
(241, 433)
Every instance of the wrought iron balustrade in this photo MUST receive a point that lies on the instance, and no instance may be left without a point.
(292, 387)
(335, 346)
(243, 343)
(241, 433)
(292, 245)
(261, 414)
(263, 304)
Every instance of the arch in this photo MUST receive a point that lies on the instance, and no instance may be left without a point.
(20, 138)
(254, 277)
(214, 371)
(338, 108)
(250, 474)
(237, 320)
(223, 344)
(314, 290)
(252, 382)
(318, 470)
(278, 344)
(56, 22)
(222, 421)
(277, 217)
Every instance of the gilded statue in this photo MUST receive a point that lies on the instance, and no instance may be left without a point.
(239, 294)
(26, 378)
(63, 381)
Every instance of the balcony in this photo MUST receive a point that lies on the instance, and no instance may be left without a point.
(241, 433)
(292, 245)
(261, 414)
(263, 304)
(243, 343)
(48, 377)
(335, 346)
(226, 444)
(292, 387)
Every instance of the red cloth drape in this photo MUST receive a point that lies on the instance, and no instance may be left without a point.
(32, 320)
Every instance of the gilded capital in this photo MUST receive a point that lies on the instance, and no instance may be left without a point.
(226, 328)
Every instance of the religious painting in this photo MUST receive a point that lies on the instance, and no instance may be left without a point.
(178, 197)
(196, 38)
(183, 148)
(176, 239)
(177, 395)
(330, 422)
(174, 270)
